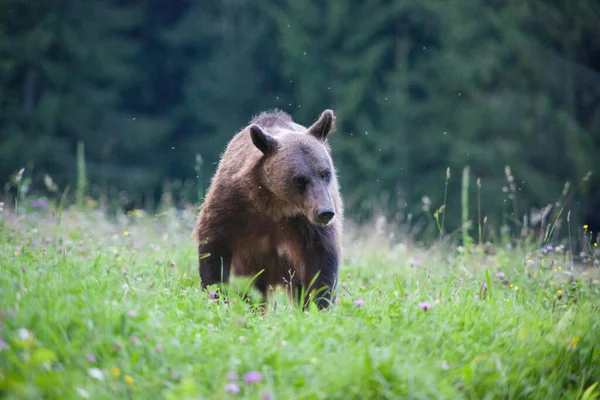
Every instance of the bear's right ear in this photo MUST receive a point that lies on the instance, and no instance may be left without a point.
(262, 140)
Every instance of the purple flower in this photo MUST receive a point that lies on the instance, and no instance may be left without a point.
(509, 246)
(134, 340)
(252, 377)
(484, 286)
(336, 300)
(548, 248)
(212, 295)
(267, 396)
(425, 305)
(232, 388)
(39, 203)
(159, 348)
(131, 314)
(359, 303)
(232, 376)
(3, 344)
(500, 274)
(91, 358)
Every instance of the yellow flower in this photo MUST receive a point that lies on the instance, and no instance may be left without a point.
(511, 285)
(118, 258)
(554, 270)
(559, 291)
(560, 268)
(516, 288)
(126, 233)
(554, 297)
(545, 299)
(129, 379)
(585, 226)
(575, 341)
(115, 371)
(116, 251)
(595, 244)
(16, 253)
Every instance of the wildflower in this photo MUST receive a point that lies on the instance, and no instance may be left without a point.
(267, 396)
(129, 379)
(159, 348)
(436, 301)
(575, 341)
(3, 344)
(530, 262)
(554, 297)
(24, 334)
(119, 259)
(252, 377)
(116, 251)
(595, 244)
(585, 226)
(548, 249)
(359, 303)
(212, 295)
(91, 358)
(424, 305)
(134, 340)
(511, 285)
(126, 233)
(232, 376)
(83, 393)
(500, 274)
(172, 264)
(554, 270)
(115, 371)
(96, 373)
(559, 291)
(232, 388)
(516, 288)
(560, 268)
(131, 314)
(336, 300)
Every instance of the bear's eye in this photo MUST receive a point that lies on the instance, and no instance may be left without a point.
(301, 182)
(326, 175)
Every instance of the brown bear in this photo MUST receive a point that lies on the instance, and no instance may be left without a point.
(274, 209)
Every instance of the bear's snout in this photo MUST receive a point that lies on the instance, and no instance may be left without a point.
(325, 216)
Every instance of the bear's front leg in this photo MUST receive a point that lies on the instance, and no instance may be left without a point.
(322, 262)
(214, 262)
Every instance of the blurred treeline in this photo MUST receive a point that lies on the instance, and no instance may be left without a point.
(155, 89)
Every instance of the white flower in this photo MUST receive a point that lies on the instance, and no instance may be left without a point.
(83, 393)
(96, 373)
(24, 334)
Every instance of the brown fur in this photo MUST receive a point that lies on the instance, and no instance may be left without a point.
(257, 215)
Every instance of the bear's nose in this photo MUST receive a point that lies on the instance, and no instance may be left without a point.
(324, 216)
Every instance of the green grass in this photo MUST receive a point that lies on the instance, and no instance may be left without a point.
(92, 294)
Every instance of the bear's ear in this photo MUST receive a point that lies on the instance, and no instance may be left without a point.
(324, 125)
(262, 140)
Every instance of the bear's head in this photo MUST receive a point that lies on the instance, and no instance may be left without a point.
(297, 168)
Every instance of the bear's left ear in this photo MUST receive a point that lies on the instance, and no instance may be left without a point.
(324, 125)
(262, 140)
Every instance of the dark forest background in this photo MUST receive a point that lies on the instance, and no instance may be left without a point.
(154, 89)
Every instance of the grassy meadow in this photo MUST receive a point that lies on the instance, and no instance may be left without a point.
(111, 309)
